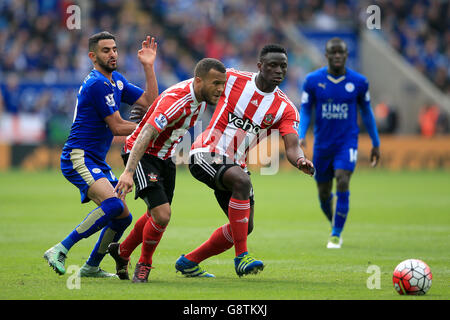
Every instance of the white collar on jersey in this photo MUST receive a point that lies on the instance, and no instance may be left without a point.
(259, 91)
(191, 87)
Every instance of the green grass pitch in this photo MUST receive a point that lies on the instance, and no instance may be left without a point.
(393, 216)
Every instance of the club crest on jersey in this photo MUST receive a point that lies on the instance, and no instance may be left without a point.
(246, 125)
(161, 121)
(349, 87)
(153, 177)
(110, 100)
(268, 119)
(119, 84)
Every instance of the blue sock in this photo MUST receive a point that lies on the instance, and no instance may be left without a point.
(111, 233)
(326, 207)
(95, 220)
(342, 207)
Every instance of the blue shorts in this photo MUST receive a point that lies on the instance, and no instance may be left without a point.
(326, 162)
(83, 171)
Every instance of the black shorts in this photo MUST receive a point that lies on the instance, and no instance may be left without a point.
(154, 179)
(209, 169)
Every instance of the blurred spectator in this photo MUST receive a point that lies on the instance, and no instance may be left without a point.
(442, 125)
(2, 104)
(386, 118)
(11, 94)
(428, 118)
(420, 31)
(38, 49)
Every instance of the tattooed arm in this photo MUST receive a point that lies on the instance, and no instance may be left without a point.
(125, 184)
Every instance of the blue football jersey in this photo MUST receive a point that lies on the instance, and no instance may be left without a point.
(97, 99)
(335, 102)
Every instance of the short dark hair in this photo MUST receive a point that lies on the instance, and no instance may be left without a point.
(335, 40)
(203, 66)
(94, 39)
(271, 48)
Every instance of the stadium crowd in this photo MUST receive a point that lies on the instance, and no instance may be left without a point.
(38, 48)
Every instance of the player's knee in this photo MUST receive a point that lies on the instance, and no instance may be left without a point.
(161, 215)
(342, 182)
(324, 189)
(113, 207)
(242, 186)
(324, 195)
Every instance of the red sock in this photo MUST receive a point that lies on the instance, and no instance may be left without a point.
(151, 236)
(238, 214)
(218, 242)
(134, 238)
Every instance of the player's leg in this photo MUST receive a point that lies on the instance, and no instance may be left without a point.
(326, 198)
(342, 203)
(238, 182)
(102, 193)
(221, 239)
(344, 165)
(152, 233)
(218, 242)
(156, 188)
(85, 175)
(121, 252)
(158, 198)
(323, 163)
(111, 233)
(227, 179)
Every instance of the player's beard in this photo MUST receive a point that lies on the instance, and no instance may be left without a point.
(206, 97)
(105, 66)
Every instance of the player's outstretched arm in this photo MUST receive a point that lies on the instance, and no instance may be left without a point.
(119, 126)
(295, 155)
(147, 56)
(302, 142)
(125, 184)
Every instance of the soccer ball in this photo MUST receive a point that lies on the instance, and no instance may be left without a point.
(412, 277)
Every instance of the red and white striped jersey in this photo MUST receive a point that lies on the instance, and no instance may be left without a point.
(173, 113)
(245, 115)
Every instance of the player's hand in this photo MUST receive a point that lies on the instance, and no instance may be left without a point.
(147, 54)
(306, 166)
(124, 186)
(374, 156)
(137, 113)
(302, 142)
